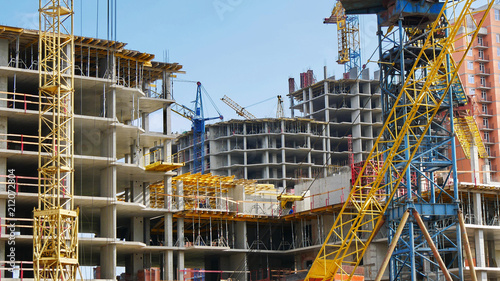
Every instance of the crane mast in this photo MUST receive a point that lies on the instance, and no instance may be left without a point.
(348, 39)
(197, 118)
(414, 154)
(55, 229)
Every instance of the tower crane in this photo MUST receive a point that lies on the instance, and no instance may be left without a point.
(279, 109)
(414, 154)
(197, 117)
(241, 111)
(55, 220)
(347, 37)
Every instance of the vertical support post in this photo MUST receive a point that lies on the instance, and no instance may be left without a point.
(428, 238)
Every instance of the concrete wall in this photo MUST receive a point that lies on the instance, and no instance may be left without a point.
(333, 189)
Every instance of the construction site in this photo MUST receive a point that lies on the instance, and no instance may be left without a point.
(383, 175)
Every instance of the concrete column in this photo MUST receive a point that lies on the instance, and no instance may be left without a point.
(167, 183)
(133, 153)
(241, 235)
(169, 254)
(180, 265)
(137, 227)
(108, 262)
(311, 108)
(168, 259)
(328, 141)
(108, 182)
(245, 156)
(3, 132)
(240, 262)
(3, 186)
(108, 252)
(292, 104)
(325, 148)
(180, 232)
(486, 174)
(4, 61)
(327, 102)
(146, 194)
(137, 263)
(478, 215)
(4, 52)
(111, 103)
(305, 108)
(283, 156)
(137, 192)
(180, 192)
(167, 112)
(228, 143)
(167, 150)
(145, 122)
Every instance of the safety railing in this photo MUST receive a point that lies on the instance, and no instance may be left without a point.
(16, 269)
(157, 156)
(21, 101)
(19, 142)
(22, 183)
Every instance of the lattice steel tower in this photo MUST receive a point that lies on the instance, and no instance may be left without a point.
(55, 230)
(415, 191)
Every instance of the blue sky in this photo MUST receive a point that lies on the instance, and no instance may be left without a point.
(240, 48)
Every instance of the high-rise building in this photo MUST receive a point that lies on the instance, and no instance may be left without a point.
(480, 75)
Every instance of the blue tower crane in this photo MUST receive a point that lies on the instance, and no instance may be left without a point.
(198, 119)
(415, 193)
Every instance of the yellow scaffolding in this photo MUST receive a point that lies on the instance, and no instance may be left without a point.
(154, 161)
(468, 135)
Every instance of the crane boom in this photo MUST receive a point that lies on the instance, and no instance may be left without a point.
(405, 156)
(182, 110)
(241, 111)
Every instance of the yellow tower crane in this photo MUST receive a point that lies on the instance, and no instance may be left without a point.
(55, 229)
(348, 38)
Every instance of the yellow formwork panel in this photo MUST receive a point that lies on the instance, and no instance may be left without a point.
(163, 166)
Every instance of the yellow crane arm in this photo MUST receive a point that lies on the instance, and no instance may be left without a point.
(241, 111)
(182, 111)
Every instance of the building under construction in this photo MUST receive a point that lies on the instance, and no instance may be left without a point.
(140, 219)
(278, 151)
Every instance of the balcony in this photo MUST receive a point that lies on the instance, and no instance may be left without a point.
(483, 58)
(483, 127)
(482, 45)
(484, 72)
(485, 114)
(483, 86)
(486, 99)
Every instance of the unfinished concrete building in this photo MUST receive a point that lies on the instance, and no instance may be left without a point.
(276, 151)
(115, 91)
(351, 107)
